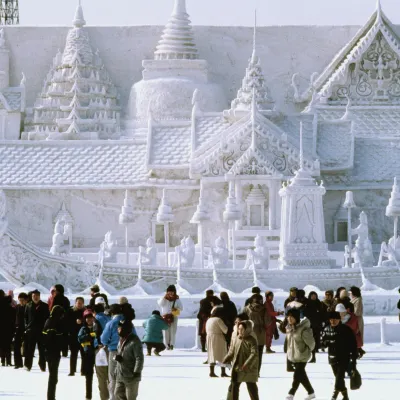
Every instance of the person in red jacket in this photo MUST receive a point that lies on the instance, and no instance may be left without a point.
(270, 330)
(351, 320)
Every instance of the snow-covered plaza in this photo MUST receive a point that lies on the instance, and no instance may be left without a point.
(181, 375)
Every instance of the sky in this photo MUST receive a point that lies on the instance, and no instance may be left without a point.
(207, 12)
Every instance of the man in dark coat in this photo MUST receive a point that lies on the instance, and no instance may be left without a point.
(53, 333)
(342, 350)
(255, 290)
(292, 296)
(61, 300)
(36, 314)
(75, 323)
(229, 314)
(7, 330)
(19, 329)
(203, 315)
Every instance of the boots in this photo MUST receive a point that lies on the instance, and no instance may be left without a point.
(212, 371)
(270, 351)
(345, 395)
(203, 345)
(335, 394)
(223, 373)
(361, 352)
(313, 359)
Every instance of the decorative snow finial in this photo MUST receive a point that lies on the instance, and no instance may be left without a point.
(195, 97)
(378, 10)
(347, 112)
(79, 20)
(23, 80)
(254, 57)
(301, 146)
(177, 41)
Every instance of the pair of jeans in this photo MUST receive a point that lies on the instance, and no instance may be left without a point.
(31, 340)
(339, 370)
(53, 364)
(126, 391)
(300, 378)
(112, 374)
(233, 391)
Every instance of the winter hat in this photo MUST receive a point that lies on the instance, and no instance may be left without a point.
(171, 288)
(295, 313)
(156, 312)
(99, 300)
(256, 290)
(340, 308)
(87, 313)
(334, 315)
(95, 289)
(59, 288)
(35, 292)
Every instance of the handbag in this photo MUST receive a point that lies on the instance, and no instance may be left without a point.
(168, 318)
(355, 380)
(101, 358)
(176, 312)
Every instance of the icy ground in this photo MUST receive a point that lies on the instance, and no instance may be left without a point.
(181, 375)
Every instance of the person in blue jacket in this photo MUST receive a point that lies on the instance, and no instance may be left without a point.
(153, 337)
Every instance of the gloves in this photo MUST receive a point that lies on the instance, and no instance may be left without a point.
(118, 358)
(93, 334)
(137, 375)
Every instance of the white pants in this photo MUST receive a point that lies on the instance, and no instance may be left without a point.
(170, 333)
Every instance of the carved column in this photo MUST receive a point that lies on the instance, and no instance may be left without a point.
(272, 192)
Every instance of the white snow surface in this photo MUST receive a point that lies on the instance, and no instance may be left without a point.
(181, 374)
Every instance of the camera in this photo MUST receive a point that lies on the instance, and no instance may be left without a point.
(118, 358)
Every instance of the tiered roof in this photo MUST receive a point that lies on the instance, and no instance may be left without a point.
(78, 100)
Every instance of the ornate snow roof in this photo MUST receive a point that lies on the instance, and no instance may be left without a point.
(78, 100)
(177, 41)
(254, 79)
(367, 69)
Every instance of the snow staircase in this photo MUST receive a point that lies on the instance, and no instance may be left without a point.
(245, 240)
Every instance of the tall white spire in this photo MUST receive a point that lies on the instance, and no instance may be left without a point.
(301, 146)
(79, 20)
(177, 41)
(254, 58)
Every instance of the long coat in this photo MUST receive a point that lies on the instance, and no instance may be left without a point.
(359, 312)
(244, 352)
(216, 342)
(260, 318)
(300, 341)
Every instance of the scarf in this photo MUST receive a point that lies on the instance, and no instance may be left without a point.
(171, 298)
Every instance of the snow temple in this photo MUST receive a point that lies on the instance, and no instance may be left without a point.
(116, 116)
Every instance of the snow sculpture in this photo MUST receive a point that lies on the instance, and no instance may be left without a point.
(253, 81)
(362, 251)
(302, 244)
(3, 216)
(65, 218)
(185, 253)
(165, 216)
(175, 73)
(259, 257)
(219, 255)
(62, 232)
(78, 99)
(126, 218)
(308, 93)
(108, 249)
(148, 254)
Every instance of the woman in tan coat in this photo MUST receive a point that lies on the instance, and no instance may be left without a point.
(243, 355)
(216, 342)
(300, 344)
(356, 299)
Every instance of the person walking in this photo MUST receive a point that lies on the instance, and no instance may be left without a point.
(329, 302)
(153, 337)
(258, 315)
(292, 296)
(19, 329)
(216, 342)
(345, 300)
(203, 315)
(171, 307)
(342, 351)
(243, 356)
(349, 319)
(75, 323)
(36, 314)
(110, 339)
(300, 344)
(271, 315)
(53, 342)
(229, 314)
(130, 362)
(95, 293)
(61, 300)
(357, 301)
(88, 337)
(314, 312)
(7, 330)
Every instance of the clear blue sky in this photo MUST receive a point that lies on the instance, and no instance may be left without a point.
(207, 12)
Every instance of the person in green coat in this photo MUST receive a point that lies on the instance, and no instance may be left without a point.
(243, 355)
(153, 337)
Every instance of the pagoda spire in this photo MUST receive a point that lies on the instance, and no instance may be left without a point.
(254, 57)
(79, 20)
(378, 9)
(177, 40)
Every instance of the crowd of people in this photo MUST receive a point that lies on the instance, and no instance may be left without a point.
(106, 339)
